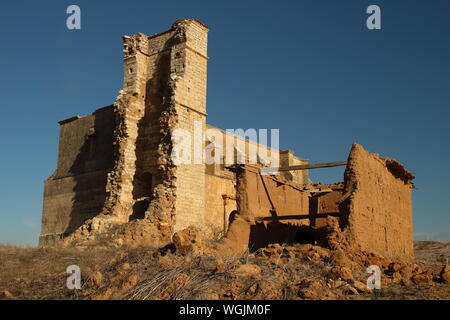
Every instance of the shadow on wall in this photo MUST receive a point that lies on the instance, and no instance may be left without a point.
(157, 94)
(157, 100)
(90, 168)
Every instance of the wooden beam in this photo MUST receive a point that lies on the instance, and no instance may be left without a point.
(274, 210)
(273, 170)
(298, 216)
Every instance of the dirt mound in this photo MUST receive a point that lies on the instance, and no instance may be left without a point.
(235, 243)
(190, 241)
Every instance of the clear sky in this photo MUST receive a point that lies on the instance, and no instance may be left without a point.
(309, 68)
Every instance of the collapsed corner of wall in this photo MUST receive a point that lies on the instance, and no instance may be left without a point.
(377, 206)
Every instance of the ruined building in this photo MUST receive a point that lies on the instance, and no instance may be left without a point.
(115, 166)
(117, 161)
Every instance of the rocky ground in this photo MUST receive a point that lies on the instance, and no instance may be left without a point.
(275, 272)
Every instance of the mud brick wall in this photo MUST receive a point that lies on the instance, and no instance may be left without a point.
(253, 202)
(258, 195)
(325, 203)
(378, 204)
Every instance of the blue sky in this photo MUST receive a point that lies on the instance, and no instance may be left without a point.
(310, 68)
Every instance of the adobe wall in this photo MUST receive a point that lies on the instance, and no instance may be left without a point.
(378, 204)
(262, 196)
(326, 201)
(259, 195)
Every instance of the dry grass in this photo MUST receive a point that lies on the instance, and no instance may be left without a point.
(29, 272)
(40, 273)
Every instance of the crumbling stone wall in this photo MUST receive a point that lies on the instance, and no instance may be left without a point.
(147, 92)
(377, 204)
(164, 89)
